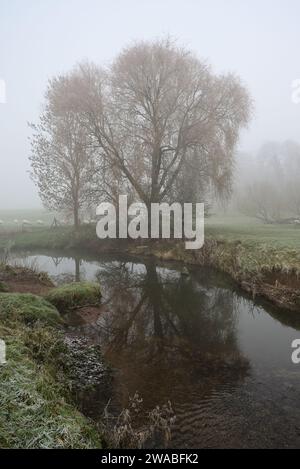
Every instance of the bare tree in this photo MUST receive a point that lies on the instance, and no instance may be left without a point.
(157, 124)
(158, 109)
(62, 159)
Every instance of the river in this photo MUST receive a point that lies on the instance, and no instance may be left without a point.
(191, 338)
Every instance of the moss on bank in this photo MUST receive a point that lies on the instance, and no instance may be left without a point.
(36, 409)
(3, 287)
(74, 295)
(27, 308)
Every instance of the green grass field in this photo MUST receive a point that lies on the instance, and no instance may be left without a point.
(246, 230)
(249, 230)
(13, 219)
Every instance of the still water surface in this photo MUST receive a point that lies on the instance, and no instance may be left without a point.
(223, 361)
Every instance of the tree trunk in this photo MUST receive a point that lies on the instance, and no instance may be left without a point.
(76, 217)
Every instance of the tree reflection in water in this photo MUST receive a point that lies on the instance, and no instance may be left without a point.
(165, 333)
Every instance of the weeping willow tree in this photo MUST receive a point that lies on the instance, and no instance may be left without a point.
(157, 125)
(165, 121)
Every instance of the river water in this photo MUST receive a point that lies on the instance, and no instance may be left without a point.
(194, 340)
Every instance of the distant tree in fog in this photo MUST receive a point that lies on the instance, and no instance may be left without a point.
(262, 200)
(271, 189)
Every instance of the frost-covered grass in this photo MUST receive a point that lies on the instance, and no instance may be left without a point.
(27, 308)
(35, 406)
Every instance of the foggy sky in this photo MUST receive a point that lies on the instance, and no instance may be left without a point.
(257, 39)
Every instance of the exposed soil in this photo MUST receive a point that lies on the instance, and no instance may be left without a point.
(84, 315)
(21, 280)
(280, 279)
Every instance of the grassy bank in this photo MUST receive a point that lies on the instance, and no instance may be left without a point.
(36, 406)
(248, 230)
(78, 294)
(245, 230)
(56, 238)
